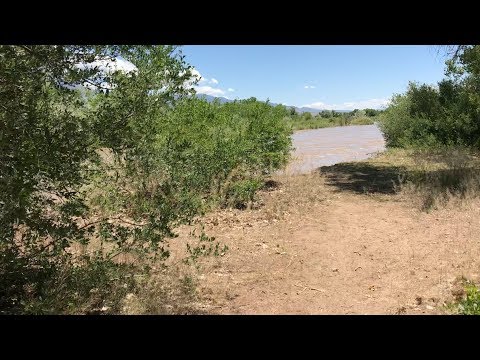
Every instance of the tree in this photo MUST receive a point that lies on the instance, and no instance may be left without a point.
(307, 115)
(447, 114)
(371, 112)
(102, 142)
(326, 114)
(59, 106)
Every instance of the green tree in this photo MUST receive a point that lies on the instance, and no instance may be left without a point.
(307, 116)
(326, 114)
(51, 130)
(371, 112)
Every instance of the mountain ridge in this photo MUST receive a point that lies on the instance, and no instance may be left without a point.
(223, 100)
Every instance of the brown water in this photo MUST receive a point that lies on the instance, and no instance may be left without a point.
(328, 146)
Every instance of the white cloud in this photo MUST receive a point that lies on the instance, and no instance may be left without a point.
(208, 90)
(127, 66)
(109, 65)
(364, 104)
(309, 87)
(203, 88)
(104, 66)
(195, 76)
(201, 79)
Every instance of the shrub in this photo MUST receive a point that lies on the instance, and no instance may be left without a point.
(471, 304)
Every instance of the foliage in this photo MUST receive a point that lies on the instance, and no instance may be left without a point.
(446, 114)
(328, 119)
(471, 304)
(95, 157)
(206, 246)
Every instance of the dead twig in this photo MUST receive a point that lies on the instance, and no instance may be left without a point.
(310, 288)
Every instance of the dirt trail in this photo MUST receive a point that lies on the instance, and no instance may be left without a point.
(311, 248)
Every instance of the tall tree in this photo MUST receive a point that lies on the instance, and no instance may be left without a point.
(59, 106)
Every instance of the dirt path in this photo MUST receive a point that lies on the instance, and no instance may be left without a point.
(311, 248)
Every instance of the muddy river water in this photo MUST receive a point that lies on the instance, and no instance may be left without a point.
(328, 146)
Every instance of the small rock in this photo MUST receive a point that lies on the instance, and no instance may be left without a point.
(335, 269)
(429, 307)
(419, 300)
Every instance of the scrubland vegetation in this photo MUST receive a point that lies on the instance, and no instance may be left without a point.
(99, 165)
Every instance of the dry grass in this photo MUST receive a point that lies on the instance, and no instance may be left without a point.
(323, 243)
(289, 204)
(440, 179)
(430, 179)
(170, 290)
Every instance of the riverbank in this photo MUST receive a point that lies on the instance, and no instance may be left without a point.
(320, 122)
(352, 238)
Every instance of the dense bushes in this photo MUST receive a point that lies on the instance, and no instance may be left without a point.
(96, 162)
(428, 116)
(443, 115)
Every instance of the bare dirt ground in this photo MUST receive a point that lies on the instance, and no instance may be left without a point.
(340, 242)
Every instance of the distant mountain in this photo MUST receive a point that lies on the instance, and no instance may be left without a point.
(223, 100)
(211, 98)
(314, 111)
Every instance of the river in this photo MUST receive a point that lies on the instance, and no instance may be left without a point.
(328, 146)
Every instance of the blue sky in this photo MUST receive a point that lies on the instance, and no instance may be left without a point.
(337, 77)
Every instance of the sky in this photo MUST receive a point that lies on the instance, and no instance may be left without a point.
(338, 77)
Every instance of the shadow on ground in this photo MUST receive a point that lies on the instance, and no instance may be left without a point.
(363, 177)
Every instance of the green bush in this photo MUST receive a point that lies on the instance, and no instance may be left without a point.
(241, 193)
(471, 304)
(446, 114)
(209, 146)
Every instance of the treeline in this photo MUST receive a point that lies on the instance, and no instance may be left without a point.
(326, 118)
(96, 161)
(446, 114)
